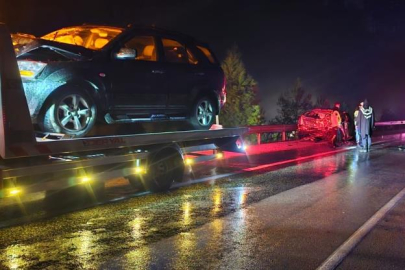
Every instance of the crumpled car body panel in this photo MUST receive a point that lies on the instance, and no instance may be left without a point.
(315, 124)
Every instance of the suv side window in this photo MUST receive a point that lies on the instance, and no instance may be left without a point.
(207, 54)
(174, 51)
(145, 47)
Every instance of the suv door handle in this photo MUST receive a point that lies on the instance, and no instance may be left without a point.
(158, 71)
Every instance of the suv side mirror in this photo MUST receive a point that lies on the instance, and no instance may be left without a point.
(125, 53)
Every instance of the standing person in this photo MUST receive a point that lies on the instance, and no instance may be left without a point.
(336, 123)
(346, 126)
(356, 127)
(365, 122)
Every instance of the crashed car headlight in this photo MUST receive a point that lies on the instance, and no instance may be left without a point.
(30, 69)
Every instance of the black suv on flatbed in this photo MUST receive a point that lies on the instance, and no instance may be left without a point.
(76, 75)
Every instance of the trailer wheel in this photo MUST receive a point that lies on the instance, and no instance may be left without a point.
(165, 167)
(69, 112)
(203, 114)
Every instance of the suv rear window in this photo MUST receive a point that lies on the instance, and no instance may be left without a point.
(207, 53)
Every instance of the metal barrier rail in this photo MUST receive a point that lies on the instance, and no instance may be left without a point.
(390, 123)
(283, 129)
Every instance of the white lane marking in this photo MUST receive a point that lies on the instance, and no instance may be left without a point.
(341, 253)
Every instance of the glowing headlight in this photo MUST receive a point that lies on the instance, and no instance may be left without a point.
(140, 170)
(30, 69)
(85, 179)
(14, 192)
(189, 161)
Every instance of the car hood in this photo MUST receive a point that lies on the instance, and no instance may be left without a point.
(68, 50)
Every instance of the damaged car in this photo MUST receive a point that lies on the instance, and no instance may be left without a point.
(315, 124)
(74, 76)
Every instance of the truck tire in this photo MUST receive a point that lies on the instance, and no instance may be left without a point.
(203, 114)
(164, 167)
(70, 112)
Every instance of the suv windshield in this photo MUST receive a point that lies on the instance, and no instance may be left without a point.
(90, 37)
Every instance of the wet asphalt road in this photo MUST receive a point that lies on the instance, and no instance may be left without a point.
(291, 214)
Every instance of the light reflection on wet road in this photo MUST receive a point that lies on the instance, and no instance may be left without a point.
(215, 224)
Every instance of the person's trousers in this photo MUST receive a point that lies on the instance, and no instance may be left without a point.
(366, 142)
(336, 136)
(358, 135)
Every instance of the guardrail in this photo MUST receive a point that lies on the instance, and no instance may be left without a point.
(390, 123)
(283, 129)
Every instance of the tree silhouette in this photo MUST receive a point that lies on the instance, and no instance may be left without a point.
(242, 107)
(292, 104)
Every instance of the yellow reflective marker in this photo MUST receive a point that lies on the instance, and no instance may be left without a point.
(27, 73)
(14, 191)
(189, 161)
(140, 170)
(85, 179)
(220, 155)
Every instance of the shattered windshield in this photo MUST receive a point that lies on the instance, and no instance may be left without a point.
(22, 42)
(90, 37)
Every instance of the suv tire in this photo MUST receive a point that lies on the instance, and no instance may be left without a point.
(70, 112)
(203, 114)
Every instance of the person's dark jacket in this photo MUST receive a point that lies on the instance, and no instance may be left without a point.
(365, 121)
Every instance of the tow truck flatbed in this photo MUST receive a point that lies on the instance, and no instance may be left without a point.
(64, 146)
(40, 163)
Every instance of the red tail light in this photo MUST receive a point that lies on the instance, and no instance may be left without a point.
(223, 92)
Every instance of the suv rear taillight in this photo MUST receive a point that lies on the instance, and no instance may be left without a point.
(223, 93)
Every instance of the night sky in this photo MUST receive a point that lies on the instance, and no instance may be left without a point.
(346, 50)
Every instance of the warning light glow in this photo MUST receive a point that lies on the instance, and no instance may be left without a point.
(85, 179)
(189, 161)
(14, 192)
(140, 170)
